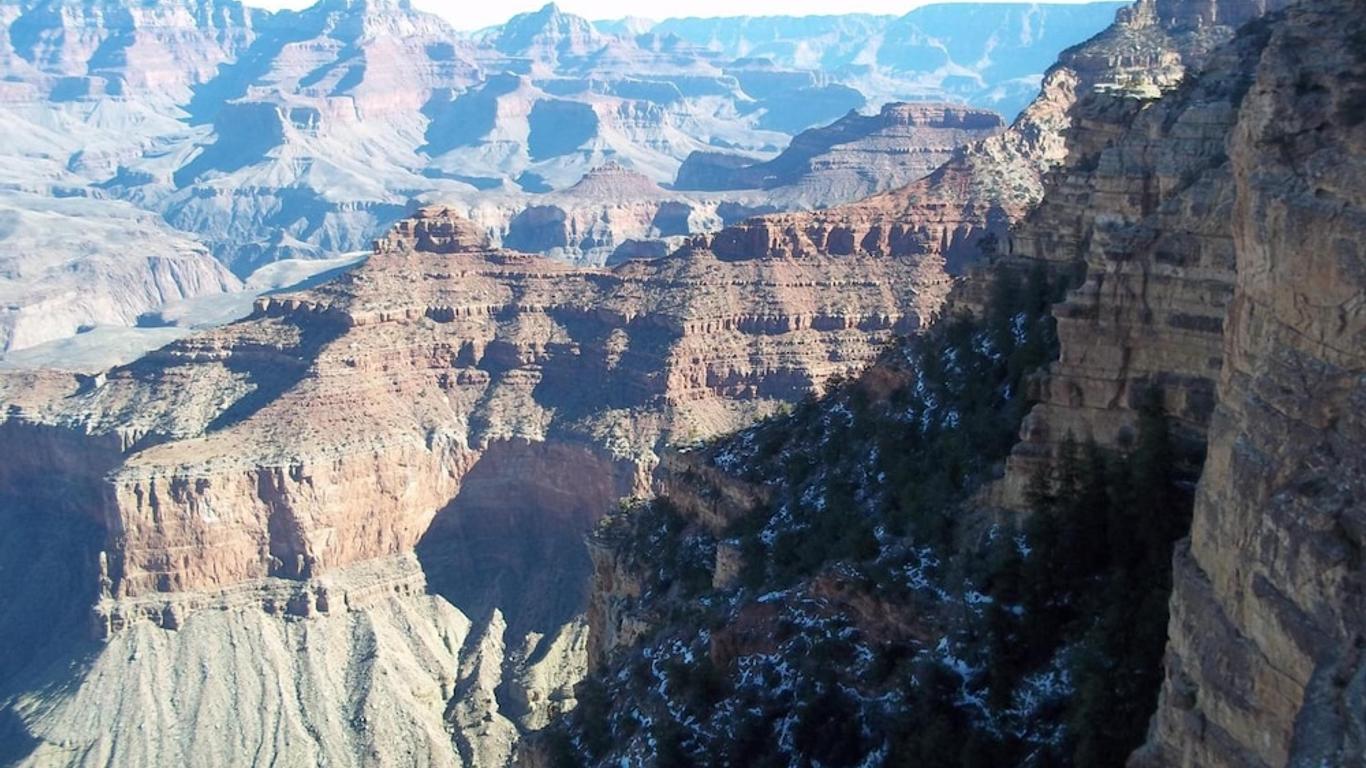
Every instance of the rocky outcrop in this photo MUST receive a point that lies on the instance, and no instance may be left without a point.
(1264, 663)
(502, 345)
(613, 620)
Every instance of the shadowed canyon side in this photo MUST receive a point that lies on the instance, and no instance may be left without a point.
(1210, 197)
(1052, 454)
(1265, 660)
(446, 419)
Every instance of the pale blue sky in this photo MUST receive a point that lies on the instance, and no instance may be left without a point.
(464, 14)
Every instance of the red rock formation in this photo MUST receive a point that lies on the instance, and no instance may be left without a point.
(332, 426)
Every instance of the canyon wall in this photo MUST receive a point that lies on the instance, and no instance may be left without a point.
(1265, 664)
(1141, 208)
(1219, 230)
(1211, 196)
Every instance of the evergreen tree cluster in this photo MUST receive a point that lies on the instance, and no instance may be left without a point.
(1055, 660)
(1082, 590)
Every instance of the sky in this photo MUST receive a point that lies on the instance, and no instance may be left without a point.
(469, 14)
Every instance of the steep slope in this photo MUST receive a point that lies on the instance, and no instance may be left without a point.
(1264, 665)
(479, 408)
(829, 587)
(805, 589)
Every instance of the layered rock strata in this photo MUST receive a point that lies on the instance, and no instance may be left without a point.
(851, 158)
(1141, 207)
(243, 452)
(477, 407)
(1264, 662)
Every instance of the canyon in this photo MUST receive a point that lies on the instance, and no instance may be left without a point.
(295, 135)
(463, 412)
(809, 409)
(1208, 194)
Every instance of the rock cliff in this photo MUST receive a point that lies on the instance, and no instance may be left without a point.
(468, 347)
(1216, 227)
(1143, 204)
(1209, 189)
(1264, 663)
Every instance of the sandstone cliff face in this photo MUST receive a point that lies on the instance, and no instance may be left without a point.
(1264, 663)
(246, 455)
(1142, 205)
